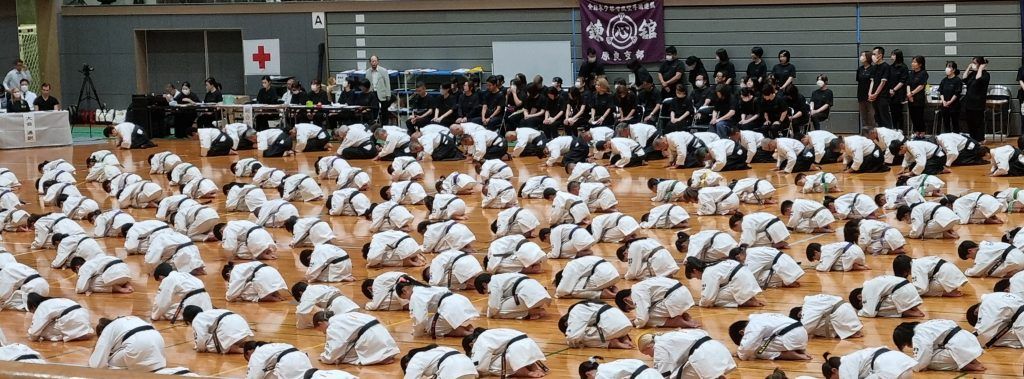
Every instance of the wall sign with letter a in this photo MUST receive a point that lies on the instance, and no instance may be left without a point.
(319, 20)
(261, 56)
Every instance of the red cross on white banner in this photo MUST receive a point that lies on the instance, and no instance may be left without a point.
(262, 57)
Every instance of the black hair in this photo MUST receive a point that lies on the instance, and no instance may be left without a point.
(306, 255)
(682, 238)
(468, 341)
(558, 278)
(385, 192)
(563, 322)
(76, 263)
(225, 272)
(828, 200)
(250, 346)
(367, 288)
(33, 300)
(972, 314)
(108, 131)
(218, 231)
(901, 265)
(830, 364)
(404, 362)
(162, 270)
(736, 331)
(902, 212)
(190, 312)
(620, 299)
(851, 231)
(757, 51)
(298, 289)
(903, 335)
(481, 282)
(785, 206)
(321, 317)
(794, 313)
(855, 298)
(56, 238)
(736, 218)
(289, 224)
(587, 366)
(693, 264)
(735, 252)
(543, 234)
(813, 249)
(962, 251)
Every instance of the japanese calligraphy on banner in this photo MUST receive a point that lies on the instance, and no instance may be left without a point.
(622, 32)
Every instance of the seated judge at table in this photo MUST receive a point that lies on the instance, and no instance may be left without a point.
(369, 101)
(26, 93)
(267, 95)
(45, 102)
(16, 103)
(213, 96)
(184, 118)
(318, 96)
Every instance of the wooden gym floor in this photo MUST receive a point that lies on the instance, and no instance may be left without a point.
(275, 321)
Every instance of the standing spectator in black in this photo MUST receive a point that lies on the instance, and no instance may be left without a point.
(976, 79)
(784, 72)
(602, 105)
(640, 73)
(445, 106)
(671, 72)
(45, 102)
(591, 69)
(469, 104)
(576, 111)
(419, 109)
(879, 96)
(266, 95)
(865, 74)
(696, 67)
(821, 102)
(757, 69)
(949, 99)
(184, 118)
(917, 99)
(725, 66)
(898, 77)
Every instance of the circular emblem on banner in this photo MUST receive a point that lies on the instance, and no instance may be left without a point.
(621, 32)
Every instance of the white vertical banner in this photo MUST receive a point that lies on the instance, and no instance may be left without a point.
(261, 56)
(29, 122)
(247, 114)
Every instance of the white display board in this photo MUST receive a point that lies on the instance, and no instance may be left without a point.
(546, 58)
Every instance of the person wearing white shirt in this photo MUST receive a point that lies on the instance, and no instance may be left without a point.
(863, 155)
(57, 319)
(443, 207)
(16, 352)
(643, 134)
(513, 295)
(887, 296)
(514, 221)
(875, 237)
(300, 187)
(754, 190)
(646, 258)
(110, 223)
(613, 227)
(329, 166)
(790, 155)
(160, 163)
(590, 323)
(15, 220)
(586, 172)
(8, 179)
(962, 150)
(598, 196)
(253, 282)
(587, 277)
(689, 353)
(534, 186)
(1006, 161)
(666, 190)
(393, 248)
(101, 274)
(851, 206)
(242, 197)
(997, 320)
(75, 207)
(268, 177)
(681, 148)
(658, 302)
(56, 165)
(726, 155)
(807, 216)
(1012, 198)
(455, 183)
(837, 256)
(929, 220)
(310, 231)
(886, 138)
(347, 202)
(405, 168)
(724, 284)
(49, 178)
(895, 197)
(567, 241)
(493, 169)
(128, 136)
(566, 208)
(438, 312)
(176, 291)
(484, 144)
(769, 336)
(274, 360)
(183, 173)
(514, 253)
(274, 213)
(498, 193)
(176, 249)
(869, 363)
(931, 275)
(388, 215)
(356, 142)
(17, 281)
(355, 338)
(326, 264)
(556, 148)
(196, 221)
(771, 267)
(310, 138)
(382, 291)
(432, 361)
(505, 353)
(529, 142)
(978, 208)
(828, 316)
(991, 259)
(214, 142)
(624, 152)
(273, 143)
(313, 298)
(760, 229)
(52, 190)
(712, 200)
(199, 188)
(217, 330)
(128, 342)
(826, 146)
(665, 216)
(939, 345)
(821, 182)
(47, 225)
(244, 239)
(446, 235)
(708, 245)
(922, 157)
(70, 247)
(136, 240)
(353, 177)
(452, 269)
(240, 134)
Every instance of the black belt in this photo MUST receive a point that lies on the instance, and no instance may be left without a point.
(876, 354)
(504, 351)
(515, 286)
(26, 357)
(638, 371)
(1001, 260)
(949, 336)
(668, 292)
(451, 268)
(882, 298)
(768, 225)
(213, 331)
(309, 373)
(277, 359)
(181, 304)
(437, 314)
(771, 270)
(935, 270)
(29, 279)
(443, 358)
(137, 329)
(252, 275)
(68, 310)
(1009, 325)
(693, 348)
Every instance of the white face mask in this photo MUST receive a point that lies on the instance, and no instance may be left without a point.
(591, 60)
(24, 88)
(949, 70)
(668, 57)
(315, 87)
(821, 83)
(700, 83)
(186, 91)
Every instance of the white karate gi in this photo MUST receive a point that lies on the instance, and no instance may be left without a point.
(440, 362)
(932, 354)
(930, 220)
(389, 215)
(405, 168)
(1001, 157)
(817, 182)
(177, 291)
(53, 223)
(932, 281)
(647, 258)
(183, 173)
(407, 192)
(534, 186)
(483, 139)
(454, 269)
(168, 206)
(138, 195)
(760, 229)
(446, 206)
(273, 213)
(753, 190)
(216, 330)
(598, 196)
(808, 215)
(586, 172)
(587, 329)
(16, 352)
(436, 311)
(456, 183)
(585, 278)
(101, 273)
(246, 240)
(109, 223)
(877, 237)
(11, 220)
(306, 131)
(512, 295)
(902, 195)
(330, 166)
(840, 256)
(348, 202)
(786, 151)
(301, 187)
(555, 148)
(524, 138)
(136, 241)
(266, 138)
(677, 352)
(384, 296)
(658, 299)
(8, 179)
(59, 319)
(829, 316)
(320, 297)
(500, 194)
(761, 329)
(394, 142)
(928, 185)
(495, 169)
(886, 136)
(502, 351)
(997, 326)
(716, 201)
(311, 231)
(196, 221)
(613, 227)
(268, 177)
(819, 142)
(252, 281)
(727, 284)
(976, 207)
(356, 136)
(710, 245)
(876, 362)
(772, 267)
(568, 239)
(277, 361)
(882, 298)
(328, 264)
(513, 253)
(854, 206)
(390, 247)
(163, 161)
(447, 235)
(352, 177)
(75, 207)
(350, 341)
(244, 167)
(568, 208)
(142, 351)
(54, 191)
(174, 248)
(918, 152)
(665, 216)
(244, 198)
(79, 245)
(996, 260)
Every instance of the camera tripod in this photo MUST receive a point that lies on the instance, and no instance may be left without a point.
(88, 93)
